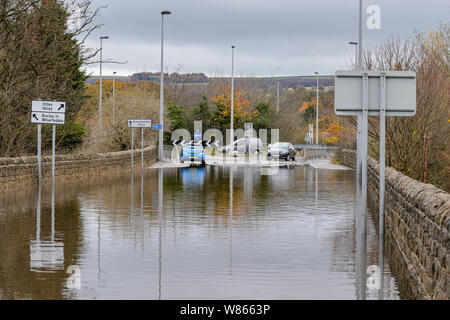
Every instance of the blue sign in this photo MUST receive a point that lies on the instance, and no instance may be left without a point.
(197, 135)
(157, 126)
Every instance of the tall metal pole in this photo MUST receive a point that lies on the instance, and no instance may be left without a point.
(382, 178)
(354, 43)
(39, 156)
(360, 40)
(132, 149)
(53, 152)
(359, 116)
(142, 149)
(317, 109)
(101, 84)
(100, 98)
(114, 97)
(232, 97)
(278, 96)
(425, 158)
(161, 91)
(363, 205)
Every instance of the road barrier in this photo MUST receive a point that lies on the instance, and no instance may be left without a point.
(325, 153)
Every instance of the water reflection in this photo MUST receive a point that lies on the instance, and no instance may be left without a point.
(46, 256)
(212, 233)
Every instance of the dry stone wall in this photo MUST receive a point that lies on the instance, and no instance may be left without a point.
(417, 224)
(21, 172)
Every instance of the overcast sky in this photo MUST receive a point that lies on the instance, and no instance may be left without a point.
(272, 37)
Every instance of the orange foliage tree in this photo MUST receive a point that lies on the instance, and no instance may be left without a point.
(222, 115)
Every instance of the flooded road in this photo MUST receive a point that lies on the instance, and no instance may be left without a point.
(188, 233)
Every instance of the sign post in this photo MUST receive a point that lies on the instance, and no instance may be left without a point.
(374, 93)
(47, 112)
(138, 123)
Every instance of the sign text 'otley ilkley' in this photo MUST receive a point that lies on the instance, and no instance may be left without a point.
(48, 112)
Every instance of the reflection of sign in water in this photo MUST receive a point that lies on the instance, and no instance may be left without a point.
(46, 255)
(193, 176)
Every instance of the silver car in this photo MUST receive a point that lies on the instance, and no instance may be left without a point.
(240, 146)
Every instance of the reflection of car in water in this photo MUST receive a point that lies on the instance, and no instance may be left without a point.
(281, 150)
(239, 146)
(192, 152)
(193, 176)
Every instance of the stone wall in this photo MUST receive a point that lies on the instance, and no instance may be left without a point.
(417, 224)
(22, 172)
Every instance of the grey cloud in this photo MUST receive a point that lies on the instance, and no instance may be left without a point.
(293, 37)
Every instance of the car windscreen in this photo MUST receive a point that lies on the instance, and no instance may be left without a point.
(280, 145)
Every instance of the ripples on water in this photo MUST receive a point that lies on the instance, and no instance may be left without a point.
(285, 236)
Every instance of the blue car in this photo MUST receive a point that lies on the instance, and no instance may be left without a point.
(192, 152)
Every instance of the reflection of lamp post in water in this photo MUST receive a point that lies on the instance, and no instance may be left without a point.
(231, 219)
(160, 213)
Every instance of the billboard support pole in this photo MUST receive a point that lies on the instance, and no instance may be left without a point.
(382, 178)
(363, 207)
(39, 157)
(132, 149)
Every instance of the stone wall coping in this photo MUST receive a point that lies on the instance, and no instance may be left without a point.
(69, 157)
(431, 200)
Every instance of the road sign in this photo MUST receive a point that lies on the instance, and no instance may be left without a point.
(48, 118)
(139, 123)
(400, 93)
(197, 135)
(370, 93)
(49, 112)
(48, 106)
(157, 126)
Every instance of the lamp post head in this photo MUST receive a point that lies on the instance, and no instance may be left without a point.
(353, 42)
(114, 72)
(316, 73)
(232, 47)
(166, 12)
(104, 37)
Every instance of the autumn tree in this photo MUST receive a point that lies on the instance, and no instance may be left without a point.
(41, 58)
(428, 55)
(222, 115)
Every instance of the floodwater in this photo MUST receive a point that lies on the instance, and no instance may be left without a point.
(189, 233)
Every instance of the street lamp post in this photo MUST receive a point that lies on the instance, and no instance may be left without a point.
(278, 96)
(317, 109)
(161, 92)
(101, 83)
(232, 96)
(355, 43)
(114, 97)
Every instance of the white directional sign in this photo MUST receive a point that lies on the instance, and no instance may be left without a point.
(48, 106)
(400, 93)
(139, 123)
(49, 118)
(50, 112)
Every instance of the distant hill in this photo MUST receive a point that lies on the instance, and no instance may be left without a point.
(93, 79)
(262, 82)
